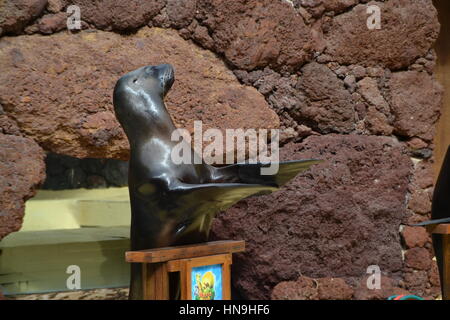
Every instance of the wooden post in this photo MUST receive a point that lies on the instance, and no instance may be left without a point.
(158, 263)
(444, 231)
(446, 276)
(155, 281)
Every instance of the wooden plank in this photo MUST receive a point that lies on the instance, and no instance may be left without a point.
(185, 252)
(439, 228)
(446, 275)
(162, 286)
(147, 283)
(183, 281)
(188, 285)
(155, 281)
(174, 265)
(226, 279)
(206, 260)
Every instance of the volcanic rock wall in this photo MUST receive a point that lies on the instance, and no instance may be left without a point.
(365, 100)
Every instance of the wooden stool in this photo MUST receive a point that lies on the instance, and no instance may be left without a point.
(209, 262)
(444, 230)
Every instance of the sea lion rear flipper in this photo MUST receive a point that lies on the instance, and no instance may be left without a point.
(251, 172)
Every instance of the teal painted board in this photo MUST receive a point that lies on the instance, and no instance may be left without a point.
(37, 261)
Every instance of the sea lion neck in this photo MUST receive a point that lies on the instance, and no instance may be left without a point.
(153, 121)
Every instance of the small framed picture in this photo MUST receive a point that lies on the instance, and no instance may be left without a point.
(206, 282)
(204, 278)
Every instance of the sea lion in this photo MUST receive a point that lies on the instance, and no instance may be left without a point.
(174, 204)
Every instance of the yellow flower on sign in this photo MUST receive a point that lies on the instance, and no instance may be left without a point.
(208, 279)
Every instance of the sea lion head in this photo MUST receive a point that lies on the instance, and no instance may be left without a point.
(156, 80)
(139, 94)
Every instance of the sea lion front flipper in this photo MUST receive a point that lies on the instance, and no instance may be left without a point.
(431, 222)
(251, 172)
(199, 203)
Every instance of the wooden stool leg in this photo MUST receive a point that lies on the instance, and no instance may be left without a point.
(446, 269)
(155, 281)
(226, 279)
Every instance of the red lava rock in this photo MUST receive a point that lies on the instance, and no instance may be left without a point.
(417, 282)
(202, 36)
(257, 33)
(376, 119)
(122, 15)
(16, 14)
(377, 123)
(338, 6)
(331, 221)
(368, 88)
(424, 174)
(22, 169)
(409, 29)
(334, 289)
(416, 143)
(433, 274)
(416, 218)
(325, 105)
(415, 99)
(9, 126)
(74, 83)
(415, 236)
(51, 23)
(303, 289)
(55, 6)
(420, 202)
(387, 289)
(418, 258)
(181, 13)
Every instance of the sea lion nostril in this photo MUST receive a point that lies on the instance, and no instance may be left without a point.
(149, 69)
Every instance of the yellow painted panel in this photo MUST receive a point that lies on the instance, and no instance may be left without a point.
(71, 209)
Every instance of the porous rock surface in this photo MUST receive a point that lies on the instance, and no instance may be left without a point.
(254, 34)
(407, 31)
(332, 221)
(22, 169)
(315, 63)
(62, 97)
(16, 14)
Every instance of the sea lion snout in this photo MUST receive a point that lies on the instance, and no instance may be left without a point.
(165, 74)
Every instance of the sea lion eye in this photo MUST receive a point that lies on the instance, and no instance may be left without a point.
(135, 80)
(182, 226)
